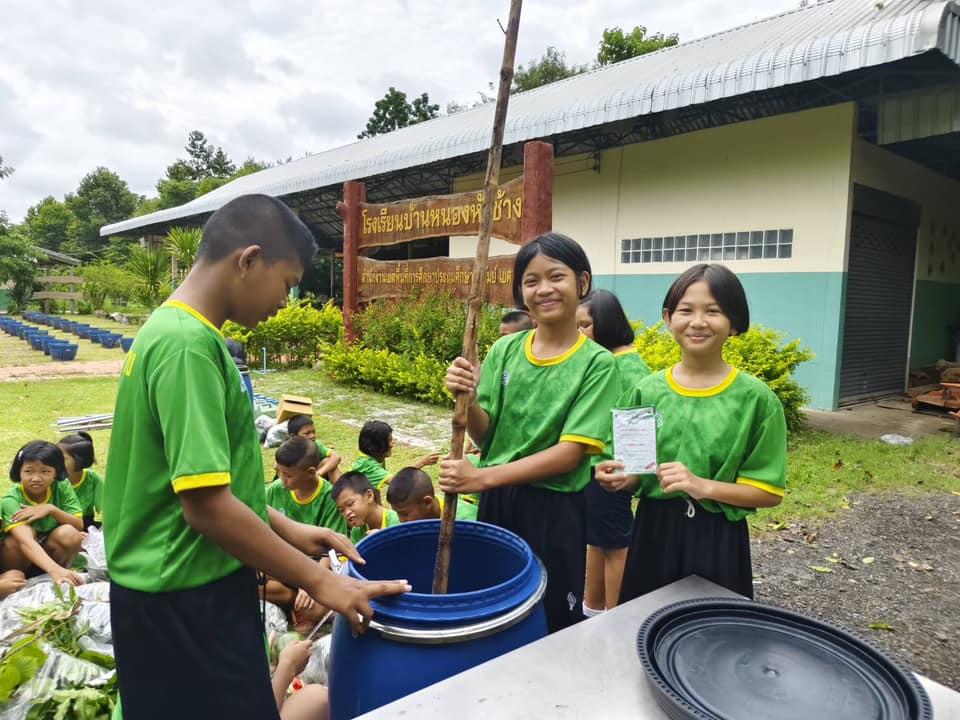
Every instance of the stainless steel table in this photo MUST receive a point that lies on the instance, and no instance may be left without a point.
(587, 671)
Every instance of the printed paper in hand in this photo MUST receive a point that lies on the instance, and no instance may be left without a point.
(635, 439)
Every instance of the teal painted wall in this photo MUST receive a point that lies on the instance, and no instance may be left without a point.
(806, 306)
(936, 306)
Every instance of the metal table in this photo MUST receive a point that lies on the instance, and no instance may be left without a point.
(590, 670)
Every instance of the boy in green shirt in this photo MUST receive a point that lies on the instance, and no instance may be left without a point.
(360, 504)
(300, 492)
(302, 426)
(186, 521)
(412, 497)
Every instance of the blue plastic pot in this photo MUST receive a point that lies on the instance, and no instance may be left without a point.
(125, 343)
(494, 605)
(110, 340)
(64, 351)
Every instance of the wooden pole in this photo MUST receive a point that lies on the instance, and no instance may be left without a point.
(475, 301)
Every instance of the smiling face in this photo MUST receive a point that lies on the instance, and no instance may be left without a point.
(585, 321)
(355, 507)
(552, 290)
(698, 324)
(36, 478)
(262, 288)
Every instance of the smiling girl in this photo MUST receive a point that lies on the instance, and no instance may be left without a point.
(540, 406)
(721, 446)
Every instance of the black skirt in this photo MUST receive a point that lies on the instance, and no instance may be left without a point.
(609, 518)
(676, 538)
(192, 654)
(553, 524)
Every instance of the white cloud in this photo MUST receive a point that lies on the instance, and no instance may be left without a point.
(120, 84)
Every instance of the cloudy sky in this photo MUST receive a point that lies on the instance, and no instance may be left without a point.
(86, 83)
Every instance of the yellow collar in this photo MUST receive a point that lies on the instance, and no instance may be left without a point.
(83, 479)
(314, 496)
(701, 392)
(26, 498)
(556, 359)
(626, 352)
(191, 311)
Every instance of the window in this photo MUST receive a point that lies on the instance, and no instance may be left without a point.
(712, 247)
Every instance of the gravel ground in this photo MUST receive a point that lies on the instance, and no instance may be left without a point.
(60, 370)
(891, 562)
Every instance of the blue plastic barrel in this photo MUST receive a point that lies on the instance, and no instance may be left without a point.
(125, 343)
(494, 605)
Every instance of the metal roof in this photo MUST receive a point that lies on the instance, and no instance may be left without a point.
(822, 40)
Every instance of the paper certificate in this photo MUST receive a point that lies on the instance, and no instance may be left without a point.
(635, 439)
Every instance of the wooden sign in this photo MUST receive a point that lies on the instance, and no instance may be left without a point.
(379, 279)
(441, 215)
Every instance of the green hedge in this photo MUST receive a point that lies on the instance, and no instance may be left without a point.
(294, 337)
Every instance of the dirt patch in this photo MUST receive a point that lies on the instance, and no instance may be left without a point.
(909, 591)
(47, 371)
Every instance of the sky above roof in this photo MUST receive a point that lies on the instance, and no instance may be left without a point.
(120, 84)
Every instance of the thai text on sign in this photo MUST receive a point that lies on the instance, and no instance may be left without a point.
(382, 279)
(440, 215)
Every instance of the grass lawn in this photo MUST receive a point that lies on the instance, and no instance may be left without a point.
(823, 469)
(17, 352)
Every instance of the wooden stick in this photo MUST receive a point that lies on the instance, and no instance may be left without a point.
(475, 301)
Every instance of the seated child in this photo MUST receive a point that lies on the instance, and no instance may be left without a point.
(376, 445)
(302, 495)
(412, 497)
(302, 426)
(42, 517)
(309, 703)
(86, 483)
(360, 505)
(515, 321)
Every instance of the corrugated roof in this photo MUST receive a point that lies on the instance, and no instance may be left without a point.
(822, 40)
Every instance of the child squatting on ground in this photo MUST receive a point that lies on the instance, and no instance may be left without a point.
(360, 504)
(376, 445)
(186, 522)
(721, 446)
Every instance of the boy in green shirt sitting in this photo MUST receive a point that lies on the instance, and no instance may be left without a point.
(302, 426)
(185, 515)
(412, 497)
(360, 505)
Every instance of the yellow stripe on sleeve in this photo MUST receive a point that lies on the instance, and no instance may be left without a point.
(594, 446)
(192, 482)
(766, 487)
(8, 528)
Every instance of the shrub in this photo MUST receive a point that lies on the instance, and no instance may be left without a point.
(412, 376)
(294, 336)
(759, 352)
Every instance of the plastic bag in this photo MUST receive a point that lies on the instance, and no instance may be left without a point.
(319, 663)
(894, 439)
(96, 553)
(276, 435)
(274, 620)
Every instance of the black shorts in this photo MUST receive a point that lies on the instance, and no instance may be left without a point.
(609, 517)
(552, 523)
(676, 538)
(192, 654)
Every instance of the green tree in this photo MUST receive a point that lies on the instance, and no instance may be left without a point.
(101, 198)
(220, 165)
(48, 223)
(617, 45)
(150, 268)
(5, 170)
(18, 263)
(180, 170)
(199, 154)
(549, 68)
(183, 243)
(176, 192)
(393, 111)
(103, 281)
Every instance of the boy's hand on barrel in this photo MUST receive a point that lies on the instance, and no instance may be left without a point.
(460, 476)
(462, 377)
(351, 597)
(675, 477)
(326, 539)
(611, 477)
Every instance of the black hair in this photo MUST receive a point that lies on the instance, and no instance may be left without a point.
(409, 483)
(724, 286)
(375, 438)
(610, 325)
(554, 245)
(298, 452)
(42, 451)
(237, 351)
(356, 481)
(297, 423)
(80, 448)
(257, 220)
(518, 317)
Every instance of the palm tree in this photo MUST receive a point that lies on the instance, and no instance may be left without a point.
(182, 244)
(149, 267)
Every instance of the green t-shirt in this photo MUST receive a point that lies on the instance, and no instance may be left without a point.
(733, 432)
(59, 494)
(389, 520)
(322, 449)
(183, 420)
(89, 492)
(465, 510)
(375, 471)
(631, 369)
(319, 510)
(535, 403)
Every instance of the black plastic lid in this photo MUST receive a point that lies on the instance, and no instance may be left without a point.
(724, 659)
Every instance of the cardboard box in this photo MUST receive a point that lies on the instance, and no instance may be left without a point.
(291, 405)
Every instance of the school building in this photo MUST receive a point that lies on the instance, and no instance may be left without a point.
(816, 153)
